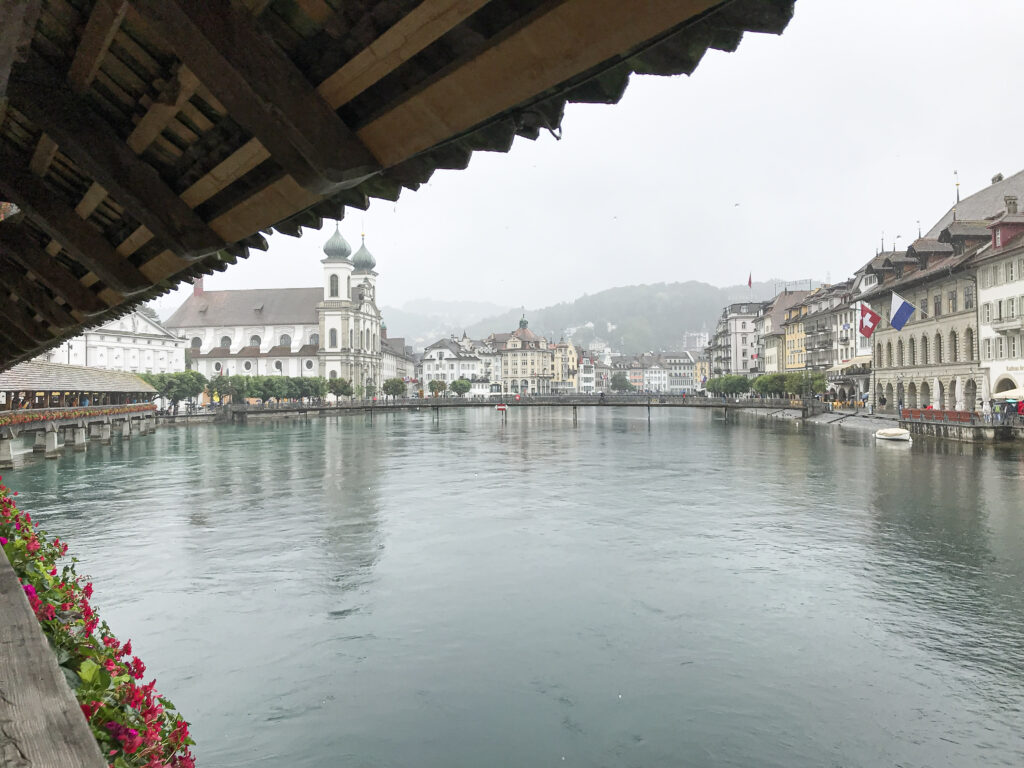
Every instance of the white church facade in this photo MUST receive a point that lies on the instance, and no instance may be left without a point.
(333, 331)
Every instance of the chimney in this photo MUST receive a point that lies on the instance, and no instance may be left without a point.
(197, 286)
(997, 178)
(1011, 203)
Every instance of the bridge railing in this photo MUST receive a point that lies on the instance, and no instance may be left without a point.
(36, 415)
(511, 399)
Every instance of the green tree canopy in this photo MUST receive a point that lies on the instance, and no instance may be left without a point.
(620, 382)
(437, 387)
(731, 384)
(460, 387)
(340, 387)
(394, 387)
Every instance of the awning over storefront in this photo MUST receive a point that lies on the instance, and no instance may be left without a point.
(853, 362)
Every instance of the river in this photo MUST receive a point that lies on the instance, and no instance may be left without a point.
(444, 591)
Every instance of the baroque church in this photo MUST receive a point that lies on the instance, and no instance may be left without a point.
(333, 331)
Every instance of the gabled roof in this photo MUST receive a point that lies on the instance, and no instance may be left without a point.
(928, 245)
(261, 306)
(54, 377)
(983, 204)
(964, 229)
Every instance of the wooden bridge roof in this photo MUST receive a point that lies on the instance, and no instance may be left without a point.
(146, 142)
(33, 376)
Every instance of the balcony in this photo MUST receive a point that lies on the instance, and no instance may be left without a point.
(1007, 324)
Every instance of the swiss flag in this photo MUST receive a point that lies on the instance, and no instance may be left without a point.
(869, 320)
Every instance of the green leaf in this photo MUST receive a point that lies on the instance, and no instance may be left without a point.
(74, 681)
(88, 671)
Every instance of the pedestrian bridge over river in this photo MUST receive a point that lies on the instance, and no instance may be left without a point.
(240, 413)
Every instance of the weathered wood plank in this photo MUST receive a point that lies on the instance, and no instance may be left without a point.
(86, 138)
(411, 34)
(19, 19)
(41, 724)
(163, 111)
(83, 241)
(103, 24)
(42, 156)
(22, 318)
(32, 293)
(571, 37)
(16, 244)
(262, 89)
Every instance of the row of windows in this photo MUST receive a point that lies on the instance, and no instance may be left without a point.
(1000, 348)
(1005, 272)
(278, 366)
(926, 352)
(255, 341)
(1003, 309)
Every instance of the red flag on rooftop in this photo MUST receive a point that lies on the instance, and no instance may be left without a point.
(750, 280)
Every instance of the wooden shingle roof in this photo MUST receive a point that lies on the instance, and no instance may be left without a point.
(147, 142)
(33, 376)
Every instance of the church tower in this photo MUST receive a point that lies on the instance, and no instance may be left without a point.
(349, 317)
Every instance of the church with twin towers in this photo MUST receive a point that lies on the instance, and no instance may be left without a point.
(333, 331)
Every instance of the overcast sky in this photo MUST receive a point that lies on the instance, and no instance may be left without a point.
(787, 158)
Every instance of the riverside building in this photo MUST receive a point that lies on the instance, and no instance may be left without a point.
(333, 331)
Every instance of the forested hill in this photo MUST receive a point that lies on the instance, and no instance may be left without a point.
(633, 318)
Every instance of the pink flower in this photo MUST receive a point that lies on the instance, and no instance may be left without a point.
(32, 546)
(2, 541)
(88, 589)
(29, 590)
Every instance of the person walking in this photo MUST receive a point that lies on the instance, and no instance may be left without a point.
(986, 411)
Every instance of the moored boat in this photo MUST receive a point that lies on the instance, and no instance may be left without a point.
(894, 433)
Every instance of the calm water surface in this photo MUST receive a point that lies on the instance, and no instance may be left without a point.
(439, 593)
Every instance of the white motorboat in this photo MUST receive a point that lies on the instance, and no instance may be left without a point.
(894, 433)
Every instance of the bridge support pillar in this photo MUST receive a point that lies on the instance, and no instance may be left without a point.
(94, 431)
(126, 429)
(105, 434)
(143, 427)
(51, 450)
(78, 439)
(40, 444)
(6, 454)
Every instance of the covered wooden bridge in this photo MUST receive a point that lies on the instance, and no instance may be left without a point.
(147, 142)
(55, 406)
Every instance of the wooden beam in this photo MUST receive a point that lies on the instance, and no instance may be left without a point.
(19, 339)
(18, 19)
(19, 246)
(411, 34)
(104, 21)
(570, 37)
(162, 111)
(80, 239)
(32, 293)
(45, 151)
(262, 90)
(18, 315)
(43, 97)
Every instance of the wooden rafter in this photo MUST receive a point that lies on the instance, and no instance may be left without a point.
(80, 239)
(262, 89)
(570, 37)
(17, 23)
(411, 34)
(104, 21)
(18, 315)
(162, 111)
(32, 293)
(16, 244)
(45, 99)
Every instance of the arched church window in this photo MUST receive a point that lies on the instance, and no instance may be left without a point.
(277, 365)
(334, 374)
(314, 339)
(196, 342)
(225, 341)
(255, 341)
(333, 336)
(334, 286)
(285, 341)
(366, 338)
(351, 339)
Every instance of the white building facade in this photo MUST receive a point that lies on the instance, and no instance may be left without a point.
(134, 343)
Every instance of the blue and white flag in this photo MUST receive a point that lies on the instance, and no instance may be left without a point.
(900, 312)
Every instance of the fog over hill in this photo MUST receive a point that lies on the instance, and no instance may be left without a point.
(631, 318)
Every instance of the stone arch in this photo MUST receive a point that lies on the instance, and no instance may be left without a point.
(912, 351)
(940, 397)
(888, 396)
(924, 350)
(1004, 383)
(899, 353)
(926, 394)
(912, 394)
(971, 395)
(954, 347)
(969, 344)
(938, 348)
(843, 396)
